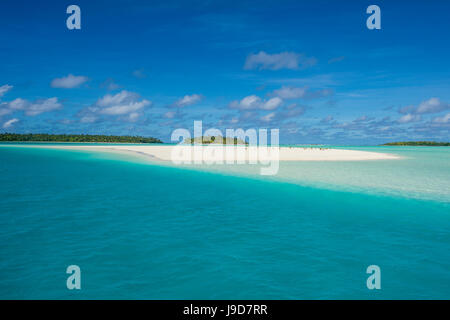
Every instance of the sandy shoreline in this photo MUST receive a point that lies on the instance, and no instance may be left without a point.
(230, 153)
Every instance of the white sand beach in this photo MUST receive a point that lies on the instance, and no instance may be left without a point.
(217, 153)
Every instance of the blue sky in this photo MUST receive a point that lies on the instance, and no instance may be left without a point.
(310, 68)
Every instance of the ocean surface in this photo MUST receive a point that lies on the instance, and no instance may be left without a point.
(141, 230)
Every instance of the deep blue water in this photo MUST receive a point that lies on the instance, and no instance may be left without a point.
(146, 231)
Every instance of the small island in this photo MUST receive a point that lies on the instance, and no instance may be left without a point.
(214, 140)
(418, 143)
(44, 137)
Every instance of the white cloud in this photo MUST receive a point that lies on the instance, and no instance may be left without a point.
(269, 117)
(88, 119)
(361, 119)
(68, 82)
(292, 111)
(407, 109)
(170, 114)
(444, 119)
(290, 92)
(18, 104)
(327, 119)
(188, 100)
(126, 108)
(113, 86)
(249, 102)
(116, 99)
(33, 108)
(409, 118)
(255, 102)
(277, 61)
(8, 124)
(110, 85)
(4, 110)
(133, 116)
(4, 89)
(319, 94)
(272, 104)
(125, 104)
(432, 105)
(42, 106)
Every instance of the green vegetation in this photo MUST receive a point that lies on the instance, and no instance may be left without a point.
(213, 139)
(418, 143)
(43, 137)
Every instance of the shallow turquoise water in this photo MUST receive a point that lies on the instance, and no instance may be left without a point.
(147, 231)
(420, 173)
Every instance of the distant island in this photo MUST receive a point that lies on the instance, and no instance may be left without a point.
(43, 137)
(418, 143)
(215, 140)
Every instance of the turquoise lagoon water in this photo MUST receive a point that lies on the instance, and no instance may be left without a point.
(146, 231)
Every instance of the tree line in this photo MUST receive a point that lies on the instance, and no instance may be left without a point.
(418, 143)
(44, 137)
